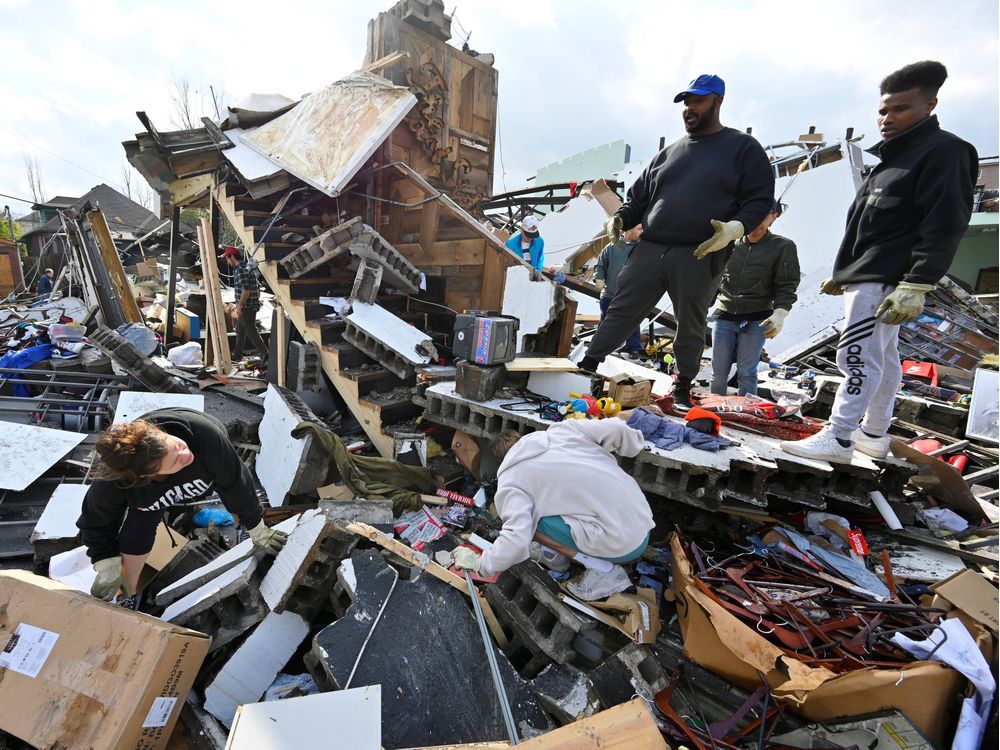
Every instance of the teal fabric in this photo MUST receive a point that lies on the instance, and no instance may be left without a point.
(556, 529)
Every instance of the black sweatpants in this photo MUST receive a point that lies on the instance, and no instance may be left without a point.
(651, 270)
(246, 328)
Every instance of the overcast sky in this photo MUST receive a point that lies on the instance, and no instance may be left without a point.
(573, 73)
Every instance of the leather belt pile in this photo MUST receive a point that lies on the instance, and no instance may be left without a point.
(806, 609)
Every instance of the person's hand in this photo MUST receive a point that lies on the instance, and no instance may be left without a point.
(269, 540)
(903, 304)
(725, 233)
(774, 323)
(237, 312)
(831, 287)
(109, 578)
(463, 557)
(599, 284)
(613, 228)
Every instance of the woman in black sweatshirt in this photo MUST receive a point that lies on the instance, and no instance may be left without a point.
(170, 457)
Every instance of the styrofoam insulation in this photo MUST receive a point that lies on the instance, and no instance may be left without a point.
(533, 303)
(31, 451)
(408, 342)
(255, 664)
(58, 520)
(134, 404)
(292, 556)
(558, 385)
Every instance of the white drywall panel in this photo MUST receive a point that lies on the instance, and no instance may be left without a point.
(564, 231)
(29, 451)
(531, 302)
(280, 454)
(134, 404)
(58, 520)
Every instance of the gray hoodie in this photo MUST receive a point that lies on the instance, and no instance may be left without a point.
(568, 471)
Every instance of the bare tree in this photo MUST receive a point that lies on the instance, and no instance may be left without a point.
(135, 188)
(183, 111)
(34, 178)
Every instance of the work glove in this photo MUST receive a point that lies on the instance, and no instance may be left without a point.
(725, 233)
(463, 557)
(903, 304)
(613, 228)
(599, 284)
(269, 540)
(775, 323)
(109, 578)
(831, 287)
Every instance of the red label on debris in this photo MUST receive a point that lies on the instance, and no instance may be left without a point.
(456, 497)
(858, 542)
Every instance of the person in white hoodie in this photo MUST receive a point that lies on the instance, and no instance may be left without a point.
(563, 488)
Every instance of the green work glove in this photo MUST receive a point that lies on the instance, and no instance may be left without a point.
(831, 287)
(774, 323)
(269, 540)
(463, 557)
(903, 304)
(613, 228)
(725, 233)
(109, 578)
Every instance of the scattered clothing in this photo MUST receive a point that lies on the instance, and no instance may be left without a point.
(669, 435)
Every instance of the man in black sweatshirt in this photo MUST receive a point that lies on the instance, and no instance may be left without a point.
(902, 233)
(696, 197)
(169, 457)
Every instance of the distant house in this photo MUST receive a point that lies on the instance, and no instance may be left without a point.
(125, 219)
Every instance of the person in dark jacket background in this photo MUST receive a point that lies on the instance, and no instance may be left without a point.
(609, 266)
(697, 196)
(903, 231)
(170, 457)
(45, 285)
(756, 293)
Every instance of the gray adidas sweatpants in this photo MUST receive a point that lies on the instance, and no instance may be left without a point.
(868, 358)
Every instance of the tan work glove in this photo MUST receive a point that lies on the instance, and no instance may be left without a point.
(903, 304)
(269, 540)
(613, 228)
(463, 557)
(725, 233)
(109, 578)
(775, 323)
(599, 284)
(831, 287)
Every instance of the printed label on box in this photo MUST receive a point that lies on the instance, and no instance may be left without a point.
(159, 713)
(27, 650)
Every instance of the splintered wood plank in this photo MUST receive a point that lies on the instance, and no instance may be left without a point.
(541, 364)
(629, 726)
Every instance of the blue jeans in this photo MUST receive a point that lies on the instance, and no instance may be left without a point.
(556, 529)
(634, 342)
(739, 341)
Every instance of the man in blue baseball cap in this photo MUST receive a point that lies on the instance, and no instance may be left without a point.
(697, 196)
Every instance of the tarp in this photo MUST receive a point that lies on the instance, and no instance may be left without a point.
(327, 136)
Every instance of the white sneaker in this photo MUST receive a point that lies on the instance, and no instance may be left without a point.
(594, 584)
(822, 446)
(551, 559)
(871, 446)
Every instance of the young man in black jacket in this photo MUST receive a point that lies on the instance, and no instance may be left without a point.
(755, 295)
(902, 233)
(170, 457)
(696, 197)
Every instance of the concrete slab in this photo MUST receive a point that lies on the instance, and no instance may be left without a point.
(254, 665)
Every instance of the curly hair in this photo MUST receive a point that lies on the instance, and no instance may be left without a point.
(502, 443)
(927, 75)
(130, 453)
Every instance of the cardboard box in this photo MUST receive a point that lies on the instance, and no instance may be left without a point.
(629, 390)
(78, 672)
(973, 594)
(925, 692)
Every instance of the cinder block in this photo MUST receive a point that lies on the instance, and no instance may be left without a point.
(367, 282)
(197, 553)
(225, 608)
(254, 665)
(372, 511)
(303, 368)
(633, 669)
(304, 572)
(565, 693)
(478, 382)
(526, 601)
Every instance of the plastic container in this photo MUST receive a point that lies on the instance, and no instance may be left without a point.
(67, 331)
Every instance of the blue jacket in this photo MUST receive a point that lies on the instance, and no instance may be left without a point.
(537, 250)
(44, 284)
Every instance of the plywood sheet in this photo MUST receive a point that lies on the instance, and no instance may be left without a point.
(29, 451)
(135, 404)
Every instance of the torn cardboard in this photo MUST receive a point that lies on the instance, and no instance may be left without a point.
(630, 390)
(636, 615)
(973, 594)
(119, 682)
(926, 692)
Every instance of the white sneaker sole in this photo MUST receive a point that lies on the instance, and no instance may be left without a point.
(838, 457)
(869, 451)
